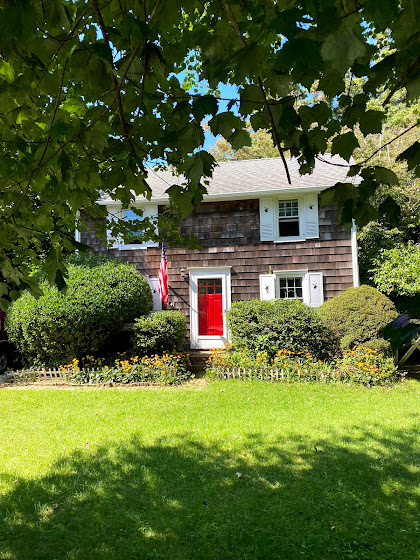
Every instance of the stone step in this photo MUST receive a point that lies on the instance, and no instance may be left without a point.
(198, 359)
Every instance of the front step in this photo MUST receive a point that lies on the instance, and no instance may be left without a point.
(198, 359)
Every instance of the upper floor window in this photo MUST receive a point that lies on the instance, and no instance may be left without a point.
(135, 240)
(289, 218)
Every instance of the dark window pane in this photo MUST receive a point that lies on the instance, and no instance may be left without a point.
(291, 293)
(289, 228)
(299, 292)
(282, 293)
(210, 290)
(282, 282)
(298, 282)
(218, 281)
(218, 289)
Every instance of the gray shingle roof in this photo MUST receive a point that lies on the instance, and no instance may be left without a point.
(259, 176)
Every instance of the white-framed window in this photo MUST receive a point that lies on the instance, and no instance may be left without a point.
(288, 218)
(135, 240)
(288, 222)
(290, 287)
(303, 285)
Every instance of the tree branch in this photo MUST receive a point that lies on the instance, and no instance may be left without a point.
(277, 142)
(116, 86)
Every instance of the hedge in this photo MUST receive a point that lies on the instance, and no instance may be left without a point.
(359, 316)
(270, 326)
(82, 320)
(161, 332)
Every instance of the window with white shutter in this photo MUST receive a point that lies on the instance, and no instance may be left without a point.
(267, 219)
(302, 285)
(267, 286)
(135, 241)
(289, 218)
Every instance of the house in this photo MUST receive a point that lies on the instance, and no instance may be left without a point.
(261, 238)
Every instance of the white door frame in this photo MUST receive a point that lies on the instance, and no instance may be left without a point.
(200, 342)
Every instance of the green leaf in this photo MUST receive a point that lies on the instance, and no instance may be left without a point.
(344, 145)
(391, 211)
(251, 99)
(55, 268)
(412, 156)
(7, 71)
(131, 26)
(318, 113)
(190, 137)
(385, 176)
(204, 105)
(371, 122)
(225, 124)
(239, 139)
(248, 61)
(98, 140)
(413, 87)
(364, 213)
(341, 49)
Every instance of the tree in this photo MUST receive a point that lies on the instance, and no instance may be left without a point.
(92, 93)
(261, 147)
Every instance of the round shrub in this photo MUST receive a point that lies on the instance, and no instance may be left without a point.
(359, 316)
(270, 326)
(60, 326)
(162, 331)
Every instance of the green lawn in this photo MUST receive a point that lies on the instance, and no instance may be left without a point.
(228, 471)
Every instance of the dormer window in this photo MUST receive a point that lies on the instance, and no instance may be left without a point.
(289, 218)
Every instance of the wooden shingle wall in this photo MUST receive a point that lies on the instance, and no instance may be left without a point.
(230, 235)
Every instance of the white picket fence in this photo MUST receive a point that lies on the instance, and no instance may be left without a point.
(274, 374)
(33, 374)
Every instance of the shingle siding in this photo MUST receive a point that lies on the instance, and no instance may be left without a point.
(229, 233)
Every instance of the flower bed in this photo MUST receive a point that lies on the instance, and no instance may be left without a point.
(167, 369)
(364, 366)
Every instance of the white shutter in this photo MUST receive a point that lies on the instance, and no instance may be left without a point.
(151, 211)
(157, 302)
(310, 202)
(267, 286)
(316, 289)
(114, 214)
(267, 219)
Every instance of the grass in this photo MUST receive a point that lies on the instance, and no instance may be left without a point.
(235, 470)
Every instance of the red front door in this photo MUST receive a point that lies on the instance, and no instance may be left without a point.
(210, 307)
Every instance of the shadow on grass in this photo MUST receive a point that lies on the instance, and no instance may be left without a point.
(238, 498)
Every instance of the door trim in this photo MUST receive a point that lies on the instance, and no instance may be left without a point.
(196, 273)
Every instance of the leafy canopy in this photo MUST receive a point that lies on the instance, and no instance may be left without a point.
(92, 92)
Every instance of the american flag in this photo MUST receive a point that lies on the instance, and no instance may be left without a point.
(163, 277)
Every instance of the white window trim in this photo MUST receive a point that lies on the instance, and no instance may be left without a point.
(201, 342)
(118, 212)
(354, 256)
(303, 274)
(301, 217)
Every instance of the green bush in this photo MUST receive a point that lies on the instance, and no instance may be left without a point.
(270, 326)
(397, 270)
(162, 331)
(359, 316)
(60, 326)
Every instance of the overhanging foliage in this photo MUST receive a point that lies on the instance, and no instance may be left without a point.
(93, 92)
